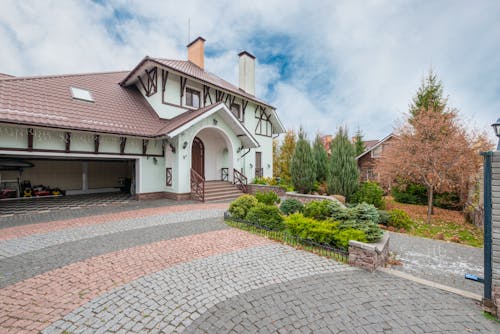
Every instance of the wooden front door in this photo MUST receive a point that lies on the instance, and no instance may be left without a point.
(198, 156)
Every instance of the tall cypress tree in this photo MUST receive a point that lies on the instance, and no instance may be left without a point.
(303, 166)
(321, 159)
(359, 144)
(343, 178)
(285, 155)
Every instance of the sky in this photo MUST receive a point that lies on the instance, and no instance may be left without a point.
(322, 64)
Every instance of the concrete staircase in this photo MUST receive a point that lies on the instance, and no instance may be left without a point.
(221, 191)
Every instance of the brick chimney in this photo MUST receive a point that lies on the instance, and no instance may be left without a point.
(247, 72)
(196, 52)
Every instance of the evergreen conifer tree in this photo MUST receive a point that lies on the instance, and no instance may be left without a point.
(343, 176)
(429, 96)
(303, 166)
(321, 159)
(359, 144)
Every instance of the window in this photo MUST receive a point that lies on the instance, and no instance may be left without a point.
(192, 98)
(81, 94)
(236, 110)
(377, 152)
(264, 126)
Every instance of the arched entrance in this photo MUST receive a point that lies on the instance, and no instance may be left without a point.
(212, 154)
(198, 156)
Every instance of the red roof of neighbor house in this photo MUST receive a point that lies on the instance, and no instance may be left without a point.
(370, 143)
(188, 68)
(47, 101)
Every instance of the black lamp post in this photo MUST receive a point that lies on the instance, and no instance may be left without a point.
(496, 127)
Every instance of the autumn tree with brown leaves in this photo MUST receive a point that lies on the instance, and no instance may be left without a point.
(433, 149)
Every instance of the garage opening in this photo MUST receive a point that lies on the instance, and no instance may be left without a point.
(40, 177)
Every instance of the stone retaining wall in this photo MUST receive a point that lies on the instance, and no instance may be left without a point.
(369, 256)
(304, 198)
(254, 188)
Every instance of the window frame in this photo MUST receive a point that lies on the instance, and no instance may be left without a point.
(192, 90)
(240, 116)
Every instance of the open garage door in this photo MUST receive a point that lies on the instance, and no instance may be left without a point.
(46, 176)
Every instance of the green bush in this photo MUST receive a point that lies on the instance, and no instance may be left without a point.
(372, 231)
(291, 205)
(319, 210)
(364, 212)
(259, 180)
(268, 198)
(410, 194)
(325, 232)
(449, 201)
(384, 217)
(266, 216)
(369, 192)
(239, 207)
(399, 219)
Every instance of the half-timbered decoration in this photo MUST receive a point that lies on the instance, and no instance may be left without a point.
(167, 128)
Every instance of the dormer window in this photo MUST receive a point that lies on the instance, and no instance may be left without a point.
(81, 94)
(192, 98)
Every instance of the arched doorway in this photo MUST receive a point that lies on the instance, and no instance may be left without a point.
(198, 156)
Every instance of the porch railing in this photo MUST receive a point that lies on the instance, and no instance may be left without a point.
(197, 186)
(259, 172)
(240, 180)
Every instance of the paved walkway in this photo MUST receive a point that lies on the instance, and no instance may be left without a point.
(439, 261)
(181, 269)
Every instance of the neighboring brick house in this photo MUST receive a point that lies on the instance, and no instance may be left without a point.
(162, 129)
(367, 160)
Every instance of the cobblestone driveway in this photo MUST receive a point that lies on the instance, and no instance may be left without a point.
(181, 269)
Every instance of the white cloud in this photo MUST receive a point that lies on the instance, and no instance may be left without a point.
(349, 63)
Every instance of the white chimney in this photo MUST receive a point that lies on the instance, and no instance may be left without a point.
(247, 72)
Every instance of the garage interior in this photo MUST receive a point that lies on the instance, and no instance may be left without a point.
(28, 177)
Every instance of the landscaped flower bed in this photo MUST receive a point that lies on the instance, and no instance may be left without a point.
(325, 223)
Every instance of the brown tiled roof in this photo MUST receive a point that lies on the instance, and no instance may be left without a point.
(196, 72)
(47, 101)
(5, 76)
(370, 143)
(184, 118)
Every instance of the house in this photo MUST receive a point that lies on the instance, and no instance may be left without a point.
(162, 130)
(367, 160)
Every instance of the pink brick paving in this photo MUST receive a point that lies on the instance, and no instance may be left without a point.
(25, 230)
(31, 305)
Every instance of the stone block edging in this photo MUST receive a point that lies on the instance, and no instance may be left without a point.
(369, 256)
(305, 198)
(254, 188)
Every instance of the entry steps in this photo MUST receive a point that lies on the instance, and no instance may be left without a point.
(216, 191)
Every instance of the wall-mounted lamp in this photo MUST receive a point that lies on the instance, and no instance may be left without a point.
(155, 161)
(251, 165)
(215, 121)
(268, 166)
(239, 149)
(172, 147)
(184, 145)
(496, 128)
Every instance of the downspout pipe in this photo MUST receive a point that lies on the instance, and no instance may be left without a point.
(487, 300)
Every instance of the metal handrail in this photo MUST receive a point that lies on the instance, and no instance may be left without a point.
(197, 186)
(240, 181)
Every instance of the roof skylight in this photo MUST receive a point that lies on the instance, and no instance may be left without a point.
(81, 94)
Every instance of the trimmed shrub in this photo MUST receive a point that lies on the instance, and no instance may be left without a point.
(239, 207)
(449, 201)
(319, 210)
(410, 193)
(384, 217)
(259, 180)
(343, 237)
(364, 212)
(369, 192)
(291, 205)
(266, 216)
(399, 219)
(268, 198)
(372, 231)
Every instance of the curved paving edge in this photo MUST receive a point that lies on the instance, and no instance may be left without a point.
(33, 304)
(17, 268)
(352, 302)
(14, 247)
(37, 228)
(169, 300)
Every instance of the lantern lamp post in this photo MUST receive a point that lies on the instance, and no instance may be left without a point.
(496, 128)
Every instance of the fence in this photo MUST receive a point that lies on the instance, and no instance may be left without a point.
(289, 239)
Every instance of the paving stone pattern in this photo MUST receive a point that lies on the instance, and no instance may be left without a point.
(13, 247)
(439, 261)
(344, 302)
(27, 265)
(31, 305)
(168, 301)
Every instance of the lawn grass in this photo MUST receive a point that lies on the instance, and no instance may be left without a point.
(445, 225)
